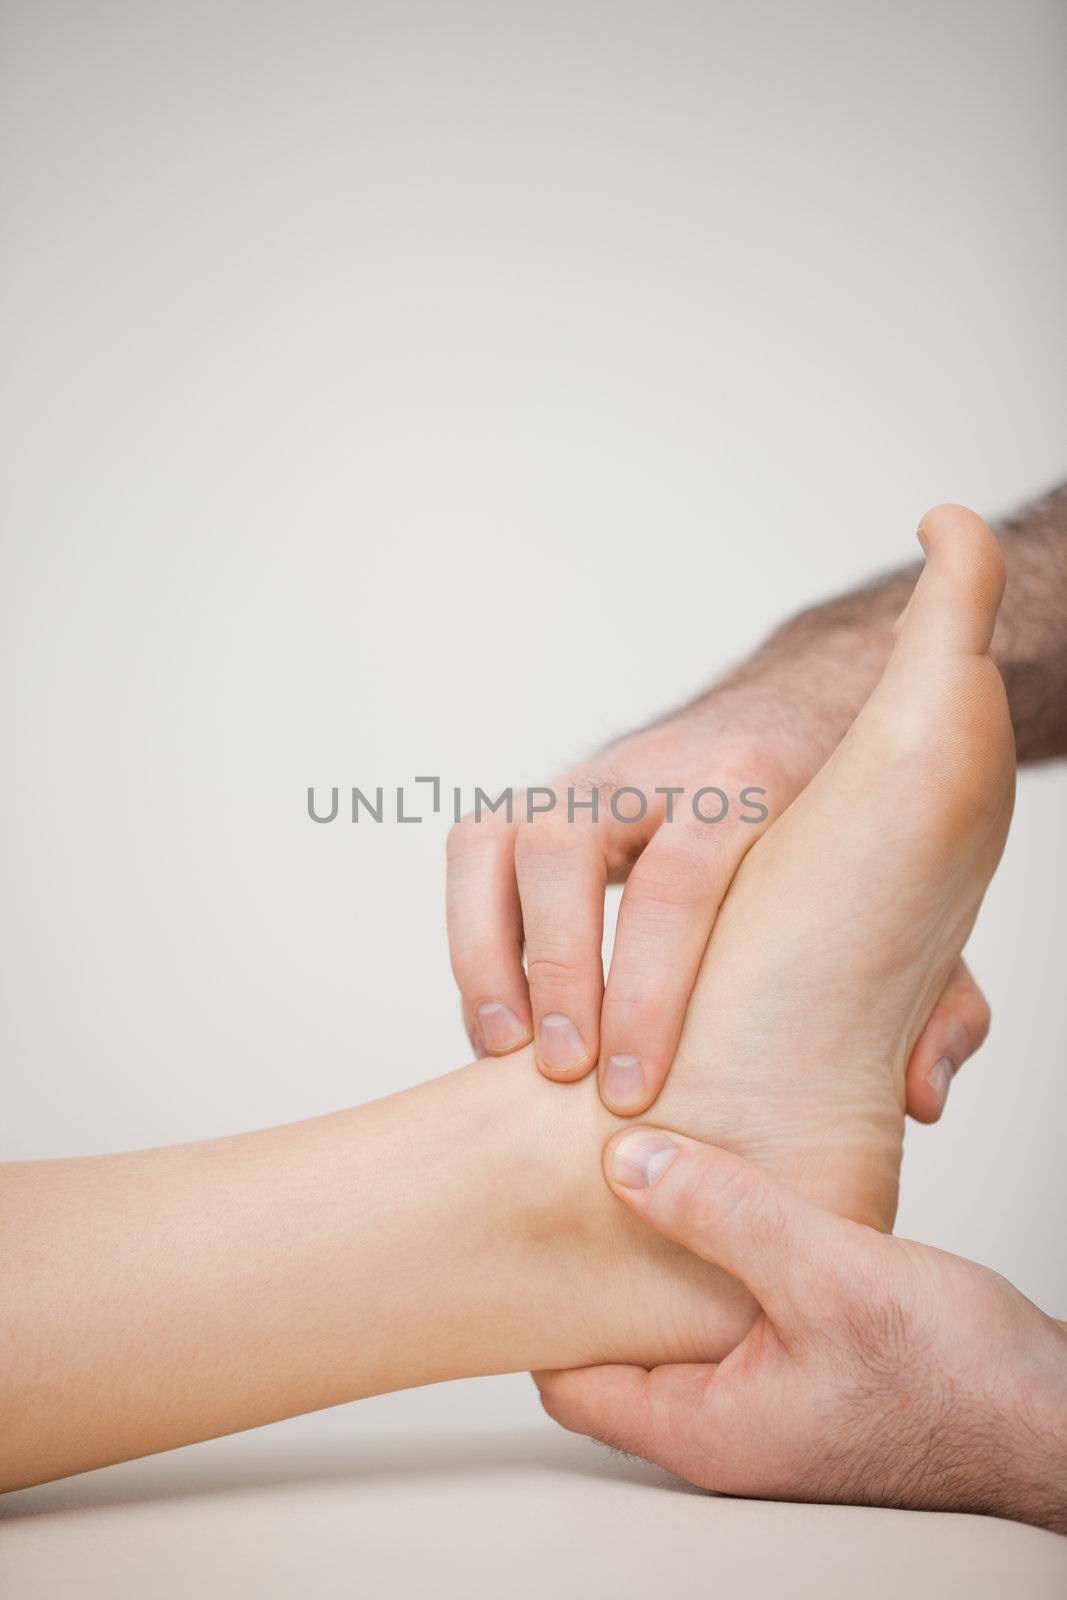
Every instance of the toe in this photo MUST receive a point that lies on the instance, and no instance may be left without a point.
(955, 602)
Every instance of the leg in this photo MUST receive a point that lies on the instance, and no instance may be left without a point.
(464, 1227)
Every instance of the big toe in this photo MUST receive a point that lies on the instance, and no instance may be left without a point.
(955, 602)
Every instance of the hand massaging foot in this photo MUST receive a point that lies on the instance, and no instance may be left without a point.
(836, 939)
(464, 1226)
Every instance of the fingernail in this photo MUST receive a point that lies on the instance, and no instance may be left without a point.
(641, 1159)
(624, 1082)
(474, 1034)
(501, 1028)
(560, 1042)
(939, 1078)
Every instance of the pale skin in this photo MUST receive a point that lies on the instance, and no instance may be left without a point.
(772, 722)
(464, 1227)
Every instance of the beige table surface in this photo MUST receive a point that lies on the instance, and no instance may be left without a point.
(508, 1511)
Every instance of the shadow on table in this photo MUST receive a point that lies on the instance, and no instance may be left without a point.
(246, 1464)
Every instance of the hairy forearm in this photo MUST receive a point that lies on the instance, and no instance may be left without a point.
(1030, 642)
(813, 674)
(1028, 1482)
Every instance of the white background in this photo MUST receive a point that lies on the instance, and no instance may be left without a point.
(407, 388)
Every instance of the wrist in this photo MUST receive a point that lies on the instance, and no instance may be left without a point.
(1030, 1402)
(1046, 1495)
(798, 698)
(805, 685)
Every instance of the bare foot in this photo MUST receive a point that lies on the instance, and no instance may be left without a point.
(837, 936)
(846, 918)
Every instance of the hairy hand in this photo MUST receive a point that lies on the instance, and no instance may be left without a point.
(878, 1371)
(538, 883)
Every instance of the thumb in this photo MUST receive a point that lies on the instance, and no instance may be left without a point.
(730, 1213)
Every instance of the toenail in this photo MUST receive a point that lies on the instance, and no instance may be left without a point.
(939, 1078)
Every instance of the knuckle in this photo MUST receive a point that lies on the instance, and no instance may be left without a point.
(565, 970)
(604, 774)
(705, 842)
(762, 768)
(671, 882)
(638, 997)
(726, 1194)
(605, 785)
(631, 1003)
(471, 963)
(548, 839)
(466, 836)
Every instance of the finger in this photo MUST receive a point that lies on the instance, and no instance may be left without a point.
(957, 1027)
(788, 1252)
(667, 911)
(562, 876)
(485, 935)
(649, 1414)
(607, 1403)
(474, 1034)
